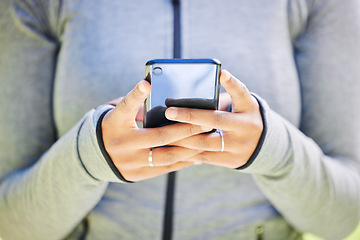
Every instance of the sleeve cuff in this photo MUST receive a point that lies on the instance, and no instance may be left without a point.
(261, 140)
(101, 145)
(89, 149)
(269, 157)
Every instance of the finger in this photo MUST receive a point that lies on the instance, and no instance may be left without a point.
(222, 159)
(161, 136)
(115, 102)
(156, 137)
(132, 102)
(210, 118)
(224, 101)
(240, 95)
(140, 114)
(165, 156)
(204, 142)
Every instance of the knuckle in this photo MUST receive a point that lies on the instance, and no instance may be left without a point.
(161, 137)
(219, 119)
(191, 130)
(170, 168)
(174, 167)
(203, 158)
(242, 90)
(203, 145)
(136, 93)
(189, 116)
(169, 158)
(232, 79)
(124, 104)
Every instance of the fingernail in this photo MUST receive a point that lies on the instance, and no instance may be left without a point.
(226, 76)
(141, 87)
(197, 163)
(171, 113)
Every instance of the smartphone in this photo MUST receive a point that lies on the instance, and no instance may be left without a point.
(189, 83)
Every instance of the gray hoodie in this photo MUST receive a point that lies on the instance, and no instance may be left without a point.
(60, 61)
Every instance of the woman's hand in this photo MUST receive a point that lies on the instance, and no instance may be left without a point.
(129, 147)
(242, 127)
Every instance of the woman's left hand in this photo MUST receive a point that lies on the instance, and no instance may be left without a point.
(241, 128)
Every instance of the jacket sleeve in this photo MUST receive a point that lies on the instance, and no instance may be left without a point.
(47, 185)
(312, 175)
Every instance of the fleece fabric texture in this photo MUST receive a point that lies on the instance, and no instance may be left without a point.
(61, 60)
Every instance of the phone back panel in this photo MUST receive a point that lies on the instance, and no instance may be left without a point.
(191, 83)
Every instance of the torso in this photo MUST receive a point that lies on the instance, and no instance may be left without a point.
(105, 47)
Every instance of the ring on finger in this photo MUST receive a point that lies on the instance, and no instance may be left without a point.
(221, 133)
(150, 159)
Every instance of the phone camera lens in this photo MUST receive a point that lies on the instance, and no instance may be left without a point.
(157, 71)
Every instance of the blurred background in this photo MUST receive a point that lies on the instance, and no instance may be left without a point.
(354, 236)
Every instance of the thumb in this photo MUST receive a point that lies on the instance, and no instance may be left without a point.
(240, 95)
(129, 106)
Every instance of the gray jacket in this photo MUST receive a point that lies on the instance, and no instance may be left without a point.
(60, 61)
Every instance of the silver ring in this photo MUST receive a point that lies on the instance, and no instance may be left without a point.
(150, 159)
(222, 140)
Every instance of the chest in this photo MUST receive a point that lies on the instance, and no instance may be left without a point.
(105, 47)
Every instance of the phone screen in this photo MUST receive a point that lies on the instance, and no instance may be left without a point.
(191, 83)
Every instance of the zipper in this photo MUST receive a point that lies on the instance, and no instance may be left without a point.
(169, 207)
(259, 232)
(177, 28)
(170, 188)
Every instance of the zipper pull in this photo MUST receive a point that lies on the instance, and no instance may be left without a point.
(259, 232)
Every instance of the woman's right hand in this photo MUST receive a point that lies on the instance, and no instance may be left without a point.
(129, 146)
